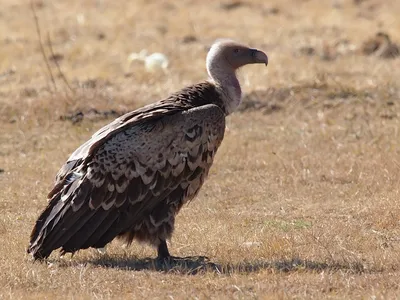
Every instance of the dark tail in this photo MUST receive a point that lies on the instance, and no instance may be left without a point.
(56, 223)
(70, 223)
(40, 231)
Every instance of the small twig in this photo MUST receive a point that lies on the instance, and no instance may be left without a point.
(58, 65)
(41, 45)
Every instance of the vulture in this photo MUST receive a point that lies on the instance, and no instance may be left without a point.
(131, 178)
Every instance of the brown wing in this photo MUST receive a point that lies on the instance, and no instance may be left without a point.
(108, 191)
(145, 114)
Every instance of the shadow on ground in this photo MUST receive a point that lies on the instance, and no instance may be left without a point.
(195, 265)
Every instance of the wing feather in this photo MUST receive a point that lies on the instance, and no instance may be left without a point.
(95, 238)
(94, 224)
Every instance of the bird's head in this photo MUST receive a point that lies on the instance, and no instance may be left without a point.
(224, 58)
(234, 55)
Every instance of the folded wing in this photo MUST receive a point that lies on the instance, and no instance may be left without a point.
(140, 167)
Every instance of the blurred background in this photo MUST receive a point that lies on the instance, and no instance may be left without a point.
(92, 41)
(303, 198)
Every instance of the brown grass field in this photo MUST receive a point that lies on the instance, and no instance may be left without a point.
(303, 199)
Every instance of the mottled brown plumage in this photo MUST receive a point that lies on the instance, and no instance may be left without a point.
(133, 176)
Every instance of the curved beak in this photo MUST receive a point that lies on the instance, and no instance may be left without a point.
(259, 57)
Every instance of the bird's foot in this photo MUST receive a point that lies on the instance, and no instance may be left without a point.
(166, 260)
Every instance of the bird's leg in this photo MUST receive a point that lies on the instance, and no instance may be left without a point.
(165, 261)
(162, 251)
(163, 254)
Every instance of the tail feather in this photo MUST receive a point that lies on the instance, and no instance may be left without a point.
(41, 228)
(52, 210)
(61, 219)
(67, 227)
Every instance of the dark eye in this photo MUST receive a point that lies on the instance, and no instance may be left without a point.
(236, 50)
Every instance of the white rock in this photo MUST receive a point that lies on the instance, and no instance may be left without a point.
(153, 62)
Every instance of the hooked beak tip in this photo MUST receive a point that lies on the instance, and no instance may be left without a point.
(261, 57)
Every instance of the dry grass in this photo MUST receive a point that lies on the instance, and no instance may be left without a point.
(303, 199)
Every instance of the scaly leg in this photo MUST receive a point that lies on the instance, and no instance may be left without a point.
(162, 251)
